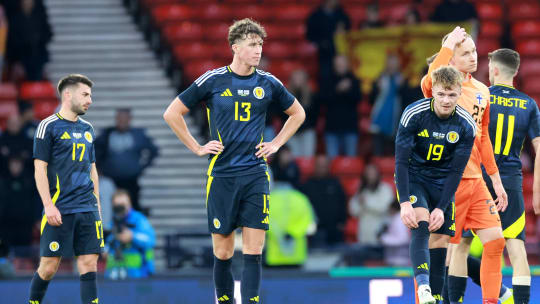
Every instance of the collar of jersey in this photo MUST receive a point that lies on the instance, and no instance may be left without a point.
(62, 118)
(504, 85)
(241, 76)
(433, 109)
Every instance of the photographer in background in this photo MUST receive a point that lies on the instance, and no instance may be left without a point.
(130, 246)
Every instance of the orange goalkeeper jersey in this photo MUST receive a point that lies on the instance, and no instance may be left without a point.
(475, 99)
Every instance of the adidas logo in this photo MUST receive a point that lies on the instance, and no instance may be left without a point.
(424, 133)
(255, 299)
(34, 302)
(423, 266)
(227, 92)
(65, 136)
(96, 301)
(223, 298)
(453, 227)
(266, 220)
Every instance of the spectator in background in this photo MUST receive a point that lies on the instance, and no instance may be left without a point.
(14, 142)
(341, 96)
(386, 96)
(328, 199)
(370, 206)
(373, 19)
(130, 248)
(28, 119)
(412, 17)
(106, 192)
(123, 152)
(304, 141)
(456, 11)
(323, 23)
(19, 204)
(292, 219)
(396, 238)
(3, 37)
(28, 35)
(284, 168)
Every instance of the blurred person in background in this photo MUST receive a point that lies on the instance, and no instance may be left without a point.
(321, 26)
(370, 206)
(123, 152)
(3, 37)
(130, 248)
(284, 168)
(341, 96)
(28, 119)
(373, 18)
(328, 199)
(28, 35)
(395, 238)
(304, 141)
(14, 142)
(292, 220)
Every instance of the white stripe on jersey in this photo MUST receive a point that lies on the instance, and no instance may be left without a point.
(214, 72)
(42, 127)
(406, 122)
(268, 74)
(207, 72)
(410, 111)
(467, 117)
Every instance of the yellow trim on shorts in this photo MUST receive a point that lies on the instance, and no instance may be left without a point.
(512, 231)
(54, 199)
(208, 185)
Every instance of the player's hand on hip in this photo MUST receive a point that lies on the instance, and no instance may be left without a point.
(502, 197)
(212, 147)
(408, 216)
(436, 219)
(54, 218)
(456, 36)
(266, 149)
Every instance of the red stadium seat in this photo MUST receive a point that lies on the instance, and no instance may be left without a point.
(216, 12)
(216, 31)
(491, 29)
(279, 50)
(484, 46)
(194, 69)
(350, 185)
(527, 198)
(294, 13)
(306, 166)
(489, 11)
(167, 13)
(37, 90)
(529, 67)
(222, 51)
(530, 85)
(306, 49)
(8, 108)
(8, 91)
(258, 12)
(385, 164)
(524, 29)
(186, 52)
(357, 14)
(45, 108)
(527, 182)
(182, 32)
(347, 166)
(529, 48)
(519, 10)
(284, 32)
(283, 69)
(394, 14)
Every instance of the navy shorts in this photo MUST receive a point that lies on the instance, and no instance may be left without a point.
(238, 201)
(425, 195)
(80, 234)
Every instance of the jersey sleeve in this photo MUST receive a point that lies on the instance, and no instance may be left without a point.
(43, 141)
(486, 148)
(462, 154)
(195, 93)
(282, 96)
(443, 58)
(92, 153)
(534, 122)
(404, 147)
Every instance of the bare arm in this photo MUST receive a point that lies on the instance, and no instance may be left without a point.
(297, 115)
(95, 179)
(536, 183)
(174, 116)
(42, 183)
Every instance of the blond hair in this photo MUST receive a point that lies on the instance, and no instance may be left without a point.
(430, 59)
(241, 29)
(446, 76)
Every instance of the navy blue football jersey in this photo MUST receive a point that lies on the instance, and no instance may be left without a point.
(236, 107)
(430, 147)
(68, 149)
(513, 116)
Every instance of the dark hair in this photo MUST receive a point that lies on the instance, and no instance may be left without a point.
(241, 29)
(507, 57)
(71, 80)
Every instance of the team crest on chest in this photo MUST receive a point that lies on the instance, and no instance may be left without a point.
(452, 137)
(258, 92)
(88, 136)
(479, 98)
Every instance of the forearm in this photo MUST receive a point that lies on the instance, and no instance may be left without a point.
(178, 124)
(95, 179)
(42, 185)
(289, 128)
(495, 178)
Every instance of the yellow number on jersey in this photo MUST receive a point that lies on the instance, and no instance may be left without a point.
(435, 152)
(76, 147)
(509, 135)
(246, 106)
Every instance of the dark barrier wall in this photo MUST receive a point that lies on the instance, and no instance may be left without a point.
(274, 291)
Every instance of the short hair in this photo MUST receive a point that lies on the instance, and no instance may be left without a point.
(509, 59)
(71, 80)
(241, 29)
(447, 76)
(430, 59)
(457, 44)
(120, 192)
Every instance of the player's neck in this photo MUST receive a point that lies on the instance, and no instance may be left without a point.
(502, 81)
(67, 114)
(240, 68)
